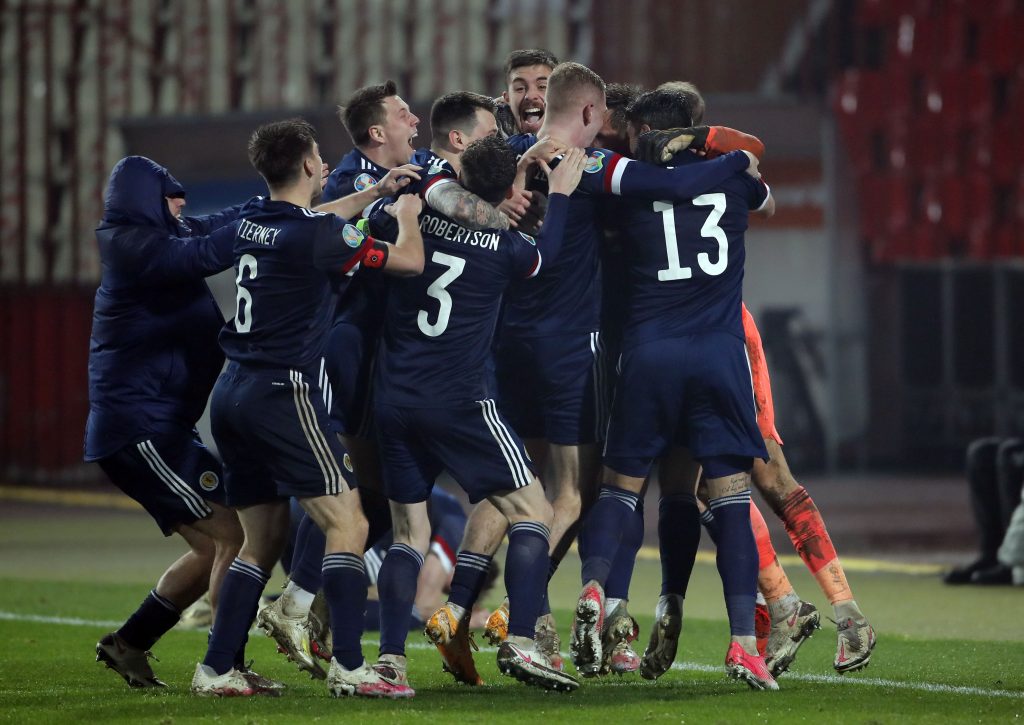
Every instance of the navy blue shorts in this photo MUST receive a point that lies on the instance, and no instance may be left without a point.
(273, 432)
(474, 444)
(349, 359)
(172, 475)
(554, 387)
(693, 391)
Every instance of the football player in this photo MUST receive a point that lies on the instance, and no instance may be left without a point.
(435, 411)
(267, 409)
(153, 359)
(684, 383)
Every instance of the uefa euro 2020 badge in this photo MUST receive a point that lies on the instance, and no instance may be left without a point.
(594, 162)
(352, 236)
(363, 182)
(208, 481)
(347, 460)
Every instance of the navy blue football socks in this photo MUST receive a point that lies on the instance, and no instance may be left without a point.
(707, 520)
(396, 587)
(678, 538)
(737, 559)
(603, 529)
(468, 579)
(621, 572)
(344, 576)
(307, 564)
(151, 621)
(239, 597)
(526, 575)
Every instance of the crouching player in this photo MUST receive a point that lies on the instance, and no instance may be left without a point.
(435, 411)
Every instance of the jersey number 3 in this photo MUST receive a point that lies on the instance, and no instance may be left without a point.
(437, 290)
(711, 230)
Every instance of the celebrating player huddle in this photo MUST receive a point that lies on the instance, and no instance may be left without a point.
(443, 312)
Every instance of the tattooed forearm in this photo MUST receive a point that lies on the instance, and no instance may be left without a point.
(467, 208)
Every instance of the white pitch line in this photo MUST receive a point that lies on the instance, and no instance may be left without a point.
(871, 681)
(680, 666)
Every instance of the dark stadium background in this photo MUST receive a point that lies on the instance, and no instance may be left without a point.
(889, 288)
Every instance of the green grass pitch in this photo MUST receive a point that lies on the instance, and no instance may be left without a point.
(944, 654)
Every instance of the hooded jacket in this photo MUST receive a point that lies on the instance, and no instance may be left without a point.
(153, 353)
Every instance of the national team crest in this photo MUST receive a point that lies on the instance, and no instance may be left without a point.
(363, 182)
(208, 481)
(528, 238)
(347, 461)
(594, 162)
(352, 236)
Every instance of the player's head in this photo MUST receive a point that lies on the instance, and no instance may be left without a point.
(376, 117)
(659, 109)
(526, 83)
(613, 132)
(489, 168)
(576, 102)
(695, 99)
(458, 119)
(286, 155)
(175, 203)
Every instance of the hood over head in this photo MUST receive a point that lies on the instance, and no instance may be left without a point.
(136, 194)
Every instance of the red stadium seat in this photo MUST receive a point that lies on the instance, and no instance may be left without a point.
(960, 94)
(999, 40)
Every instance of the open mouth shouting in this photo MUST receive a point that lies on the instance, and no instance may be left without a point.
(531, 116)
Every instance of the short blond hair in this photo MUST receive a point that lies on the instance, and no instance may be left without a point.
(568, 83)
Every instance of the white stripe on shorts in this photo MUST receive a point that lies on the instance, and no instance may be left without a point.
(516, 464)
(314, 436)
(172, 480)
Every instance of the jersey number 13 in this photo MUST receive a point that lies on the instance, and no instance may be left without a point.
(710, 230)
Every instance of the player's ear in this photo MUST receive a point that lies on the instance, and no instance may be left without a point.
(645, 127)
(376, 133)
(455, 139)
(504, 96)
(588, 114)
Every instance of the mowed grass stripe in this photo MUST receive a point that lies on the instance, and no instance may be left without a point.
(679, 666)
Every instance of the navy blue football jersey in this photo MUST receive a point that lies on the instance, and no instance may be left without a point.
(566, 296)
(361, 298)
(686, 258)
(353, 173)
(436, 171)
(284, 256)
(437, 339)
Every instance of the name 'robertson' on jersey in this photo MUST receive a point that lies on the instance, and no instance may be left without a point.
(444, 228)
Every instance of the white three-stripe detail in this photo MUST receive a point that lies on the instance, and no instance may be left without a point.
(193, 500)
(314, 436)
(520, 471)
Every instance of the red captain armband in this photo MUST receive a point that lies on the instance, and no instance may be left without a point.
(722, 140)
(376, 255)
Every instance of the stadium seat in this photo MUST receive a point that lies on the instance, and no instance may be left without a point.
(999, 40)
(964, 94)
